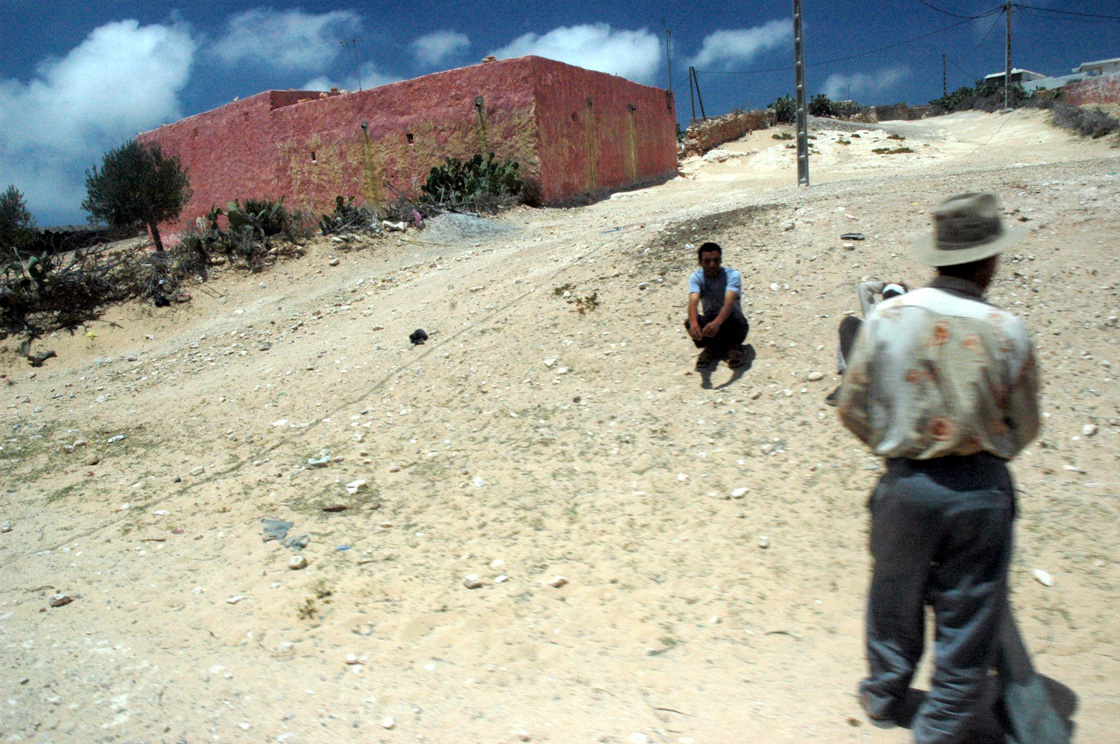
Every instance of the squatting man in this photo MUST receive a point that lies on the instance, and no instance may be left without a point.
(720, 329)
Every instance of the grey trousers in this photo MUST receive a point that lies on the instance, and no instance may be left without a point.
(940, 529)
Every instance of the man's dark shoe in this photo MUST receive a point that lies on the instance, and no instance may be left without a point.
(833, 398)
(706, 359)
(877, 721)
(735, 358)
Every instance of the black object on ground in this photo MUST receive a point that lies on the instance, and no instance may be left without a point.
(418, 336)
(852, 236)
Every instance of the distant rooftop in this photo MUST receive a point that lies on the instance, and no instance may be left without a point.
(1089, 66)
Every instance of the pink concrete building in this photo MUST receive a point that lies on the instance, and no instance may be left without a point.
(576, 133)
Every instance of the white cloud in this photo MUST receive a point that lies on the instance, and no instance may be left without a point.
(371, 77)
(289, 40)
(726, 49)
(124, 78)
(432, 50)
(635, 55)
(839, 86)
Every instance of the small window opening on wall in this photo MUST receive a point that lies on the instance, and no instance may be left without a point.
(631, 108)
(409, 137)
(313, 156)
(575, 117)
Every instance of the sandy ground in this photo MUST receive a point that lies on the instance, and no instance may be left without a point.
(526, 441)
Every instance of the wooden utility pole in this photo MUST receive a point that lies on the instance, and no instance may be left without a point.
(691, 92)
(699, 95)
(944, 77)
(802, 113)
(668, 59)
(1007, 72)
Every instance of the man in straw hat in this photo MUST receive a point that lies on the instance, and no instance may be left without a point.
(944, 386)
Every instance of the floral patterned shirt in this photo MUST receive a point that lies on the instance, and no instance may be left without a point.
(938, 372)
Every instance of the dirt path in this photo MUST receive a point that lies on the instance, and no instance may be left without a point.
(526, 441)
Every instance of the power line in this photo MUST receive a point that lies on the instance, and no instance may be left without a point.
(985, 38)
(687, 13)
(952, 15)
(851, 56)
(1066, 12)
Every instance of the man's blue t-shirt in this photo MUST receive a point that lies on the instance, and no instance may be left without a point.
(712, 291)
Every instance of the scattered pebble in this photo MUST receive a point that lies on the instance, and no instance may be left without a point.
(296, 562)
(557, 582)
(471, 581)
(352, 659)
(236, 599)
(814, 376)
(58, 600)
(1043, 577)
(739, 493)
(1089, 430)
(388, 723)
(354, 486)
(763, 542)
(5, 526)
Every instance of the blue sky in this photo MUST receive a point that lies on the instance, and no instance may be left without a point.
(77, 78)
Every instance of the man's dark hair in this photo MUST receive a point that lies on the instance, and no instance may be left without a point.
(708, 247)
(965, 270)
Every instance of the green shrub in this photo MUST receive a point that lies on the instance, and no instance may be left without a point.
(475, 182)
(785, 109)
(984, 96)
(347, 218)
(1094, 122)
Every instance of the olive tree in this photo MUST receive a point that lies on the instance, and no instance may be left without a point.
(137, 185)
(17, 226)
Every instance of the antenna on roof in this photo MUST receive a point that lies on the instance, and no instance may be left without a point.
(354, 53)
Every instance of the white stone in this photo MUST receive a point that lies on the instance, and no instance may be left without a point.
(1089, 430)
(352, 659)
(58, 600)
(814, 376)
(557, 582)
(550, 362)
(388, 723)
(5, 526)
(1043, 577)
(478, 482)
(637, 738)
(354, 486)
(296, 562)
(763, 542)
(236, 599)
(471, 581)
(739, 493)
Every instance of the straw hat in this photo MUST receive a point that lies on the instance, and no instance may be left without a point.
(966, 227)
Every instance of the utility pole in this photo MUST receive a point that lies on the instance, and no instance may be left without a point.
(1007, 72)
(699, 95)
(944, 77)
(691, 93)
(802, 113)
(668, 58)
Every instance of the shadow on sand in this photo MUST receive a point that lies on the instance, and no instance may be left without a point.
(706, 372)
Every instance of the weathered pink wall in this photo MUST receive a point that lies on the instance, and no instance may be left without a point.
(1103, 89)
(310, 147)
(600, 132)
